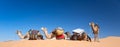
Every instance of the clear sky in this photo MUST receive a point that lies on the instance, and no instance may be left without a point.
(68, 14)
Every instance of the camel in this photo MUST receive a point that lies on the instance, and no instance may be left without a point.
(80, 35)
(83, 37)
(30, 36)
(57, 34)
(95, 29)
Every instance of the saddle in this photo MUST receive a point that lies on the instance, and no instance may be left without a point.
(33, 34)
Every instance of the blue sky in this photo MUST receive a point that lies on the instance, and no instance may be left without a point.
(69, 14)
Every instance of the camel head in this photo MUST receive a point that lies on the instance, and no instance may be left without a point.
(68, 34)
(91, 23)
(18, 32)
(58, 31)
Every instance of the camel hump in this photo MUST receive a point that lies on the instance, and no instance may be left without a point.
(34, 32)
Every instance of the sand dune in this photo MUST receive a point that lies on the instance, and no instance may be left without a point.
(105, 42)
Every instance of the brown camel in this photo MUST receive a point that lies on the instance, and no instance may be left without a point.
(79, 34)
(57, 34)
(95, 29)
(83, 36)
(30, 36)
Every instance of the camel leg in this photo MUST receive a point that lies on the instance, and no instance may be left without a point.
(95, 35)
(88, 38)
(96, 38)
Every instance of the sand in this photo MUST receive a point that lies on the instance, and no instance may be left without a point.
(105, 42)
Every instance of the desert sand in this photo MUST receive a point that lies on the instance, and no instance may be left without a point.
(104, 42)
